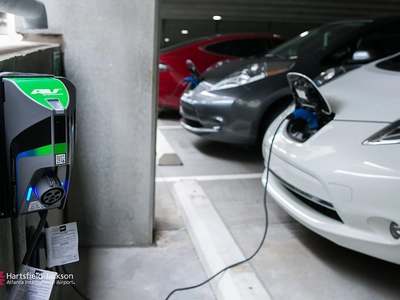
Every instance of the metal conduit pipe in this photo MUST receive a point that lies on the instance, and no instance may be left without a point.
(33, 11)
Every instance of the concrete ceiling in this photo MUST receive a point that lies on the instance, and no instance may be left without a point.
(286, 17)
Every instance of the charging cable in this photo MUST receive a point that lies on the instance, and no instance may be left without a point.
(35, 238)
(32, 247)
(266, 222)
(189, 79)
(46, 225)
(73, 285)
(160, 110)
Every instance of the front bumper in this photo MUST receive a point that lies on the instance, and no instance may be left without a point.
(335, 186)
(197, 127)
(216, 117)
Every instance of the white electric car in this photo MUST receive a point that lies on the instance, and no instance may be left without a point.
(335, 163)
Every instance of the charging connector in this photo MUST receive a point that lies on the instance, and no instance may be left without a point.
(308, 116)
(192, 81)
(49, 189)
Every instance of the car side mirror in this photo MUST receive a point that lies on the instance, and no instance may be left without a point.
(361, 57)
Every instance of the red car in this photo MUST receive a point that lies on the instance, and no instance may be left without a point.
(204, 52)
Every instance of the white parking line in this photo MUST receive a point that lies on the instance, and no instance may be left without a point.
(215, 246)
(170, 127)
(210, 177)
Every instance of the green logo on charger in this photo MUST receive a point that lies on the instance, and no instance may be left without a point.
(45, 91)
(40, 89)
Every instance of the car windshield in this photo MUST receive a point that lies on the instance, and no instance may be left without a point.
(392, 64)
(316, 38)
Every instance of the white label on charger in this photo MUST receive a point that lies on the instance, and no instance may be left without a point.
(62, 244)
(35, 205)
(31, 283)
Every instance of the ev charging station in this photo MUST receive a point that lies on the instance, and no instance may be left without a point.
(37, 139)
(38, 117)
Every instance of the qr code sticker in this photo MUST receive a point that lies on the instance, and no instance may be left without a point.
(60, 159)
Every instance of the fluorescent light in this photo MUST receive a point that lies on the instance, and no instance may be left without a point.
(184, 31)
(217, 18)
(304, 33)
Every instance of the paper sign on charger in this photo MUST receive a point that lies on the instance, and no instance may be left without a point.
(62, 244)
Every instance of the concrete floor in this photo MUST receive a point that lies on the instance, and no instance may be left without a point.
(294, 262)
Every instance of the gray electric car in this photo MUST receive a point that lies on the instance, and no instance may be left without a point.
(235, 102)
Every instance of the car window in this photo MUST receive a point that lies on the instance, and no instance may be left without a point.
(218, 48)
(241, 47)
(183, 44)
(340, 55)
(274, 43)
(317, 38)
(248, 47)
(380, 42)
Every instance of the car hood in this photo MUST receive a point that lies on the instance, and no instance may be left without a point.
(215, 75)
(366, 94)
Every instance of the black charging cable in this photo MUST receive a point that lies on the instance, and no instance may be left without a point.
(266, 221)
(46, 225)
(35, 238)
(73, 285)
(160, 110)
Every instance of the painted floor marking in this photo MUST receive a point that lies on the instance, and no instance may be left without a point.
(210, 177)
(165, 154)
(170, 127)
(215, 246)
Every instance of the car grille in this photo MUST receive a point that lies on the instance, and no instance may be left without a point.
(192, 123)
(324, 207)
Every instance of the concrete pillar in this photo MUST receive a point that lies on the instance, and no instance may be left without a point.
(111, 56)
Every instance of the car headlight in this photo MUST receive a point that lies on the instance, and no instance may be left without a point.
(328, 75)
(162, 67)
(388, 135)
(249, 74)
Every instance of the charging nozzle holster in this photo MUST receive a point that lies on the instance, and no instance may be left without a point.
(38, 118)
